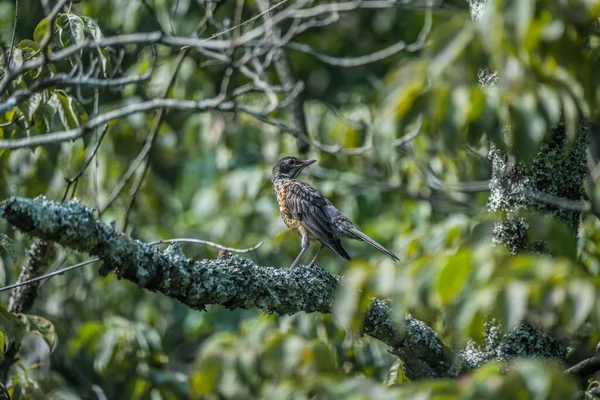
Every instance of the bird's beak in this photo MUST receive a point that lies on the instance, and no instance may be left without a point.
(307, 163)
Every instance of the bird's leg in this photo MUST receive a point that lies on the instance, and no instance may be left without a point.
(305, 244)
(312, 263)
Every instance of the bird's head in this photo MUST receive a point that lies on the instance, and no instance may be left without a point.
(290, 167)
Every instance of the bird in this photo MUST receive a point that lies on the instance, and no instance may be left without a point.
(309, 214)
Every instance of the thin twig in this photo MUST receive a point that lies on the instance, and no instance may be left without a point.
(241, 25)
(208, 243)
(49, 275)
(585, 368)
(92, 155)
(157, 242)
(72, 134)
(348, 62)
(65, 80)
(14, 34)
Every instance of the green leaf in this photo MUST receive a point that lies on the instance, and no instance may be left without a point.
(93, 29)
(349, 299)
(520, 13)
(461, 107)
(71, 113)
(205, 377)
(516, 296)
(9, 246)
(583, 295)
(11, 327)
(28, 47)
(87, 336)
(549, 104)
(70, 28)
(29, 107)
(448, 52)
(395, 375)
(453, 276)
(40, 326)
(40, 30)
(43, 117)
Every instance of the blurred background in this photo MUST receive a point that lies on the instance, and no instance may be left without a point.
(411, 169)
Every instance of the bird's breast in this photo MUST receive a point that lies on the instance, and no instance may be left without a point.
(281, 191)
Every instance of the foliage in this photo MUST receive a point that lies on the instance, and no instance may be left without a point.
(402, 145)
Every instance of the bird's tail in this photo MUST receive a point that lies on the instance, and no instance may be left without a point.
(355, 233)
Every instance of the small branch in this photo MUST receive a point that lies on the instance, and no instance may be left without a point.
(216, 103)
(14, 34)
(91, 156)
(46, 276)
(208, 243)
(149, 139)
(585, 368)
(348, 62)
(72, 134)
(65, 80)
(229, 281)
(246, 22)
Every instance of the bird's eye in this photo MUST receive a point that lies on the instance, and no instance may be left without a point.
(290, 162)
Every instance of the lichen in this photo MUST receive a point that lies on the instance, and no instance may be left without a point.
(556, 174)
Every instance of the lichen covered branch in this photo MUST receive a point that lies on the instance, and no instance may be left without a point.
(229, 281)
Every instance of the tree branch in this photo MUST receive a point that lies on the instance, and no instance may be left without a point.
(22, 297)
(72, 134)
(585, 368)
(229, 281)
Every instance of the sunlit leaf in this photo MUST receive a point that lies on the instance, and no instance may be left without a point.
(41, 30)
(40, 326)
(43, 117)
(349, 299)
(583, 296)
(92, 28)
(516, 298)
(71, 113)
(448, 52)
(11, 327)
(9, 246)
(520, 13)
(453, 276)
(70, 28)
(204, 378)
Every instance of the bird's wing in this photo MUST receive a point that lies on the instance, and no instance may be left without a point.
(308, 206)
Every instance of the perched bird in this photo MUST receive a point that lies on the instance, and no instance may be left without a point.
(308, 213)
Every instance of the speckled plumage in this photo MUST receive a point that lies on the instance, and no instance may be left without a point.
(308, 213)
